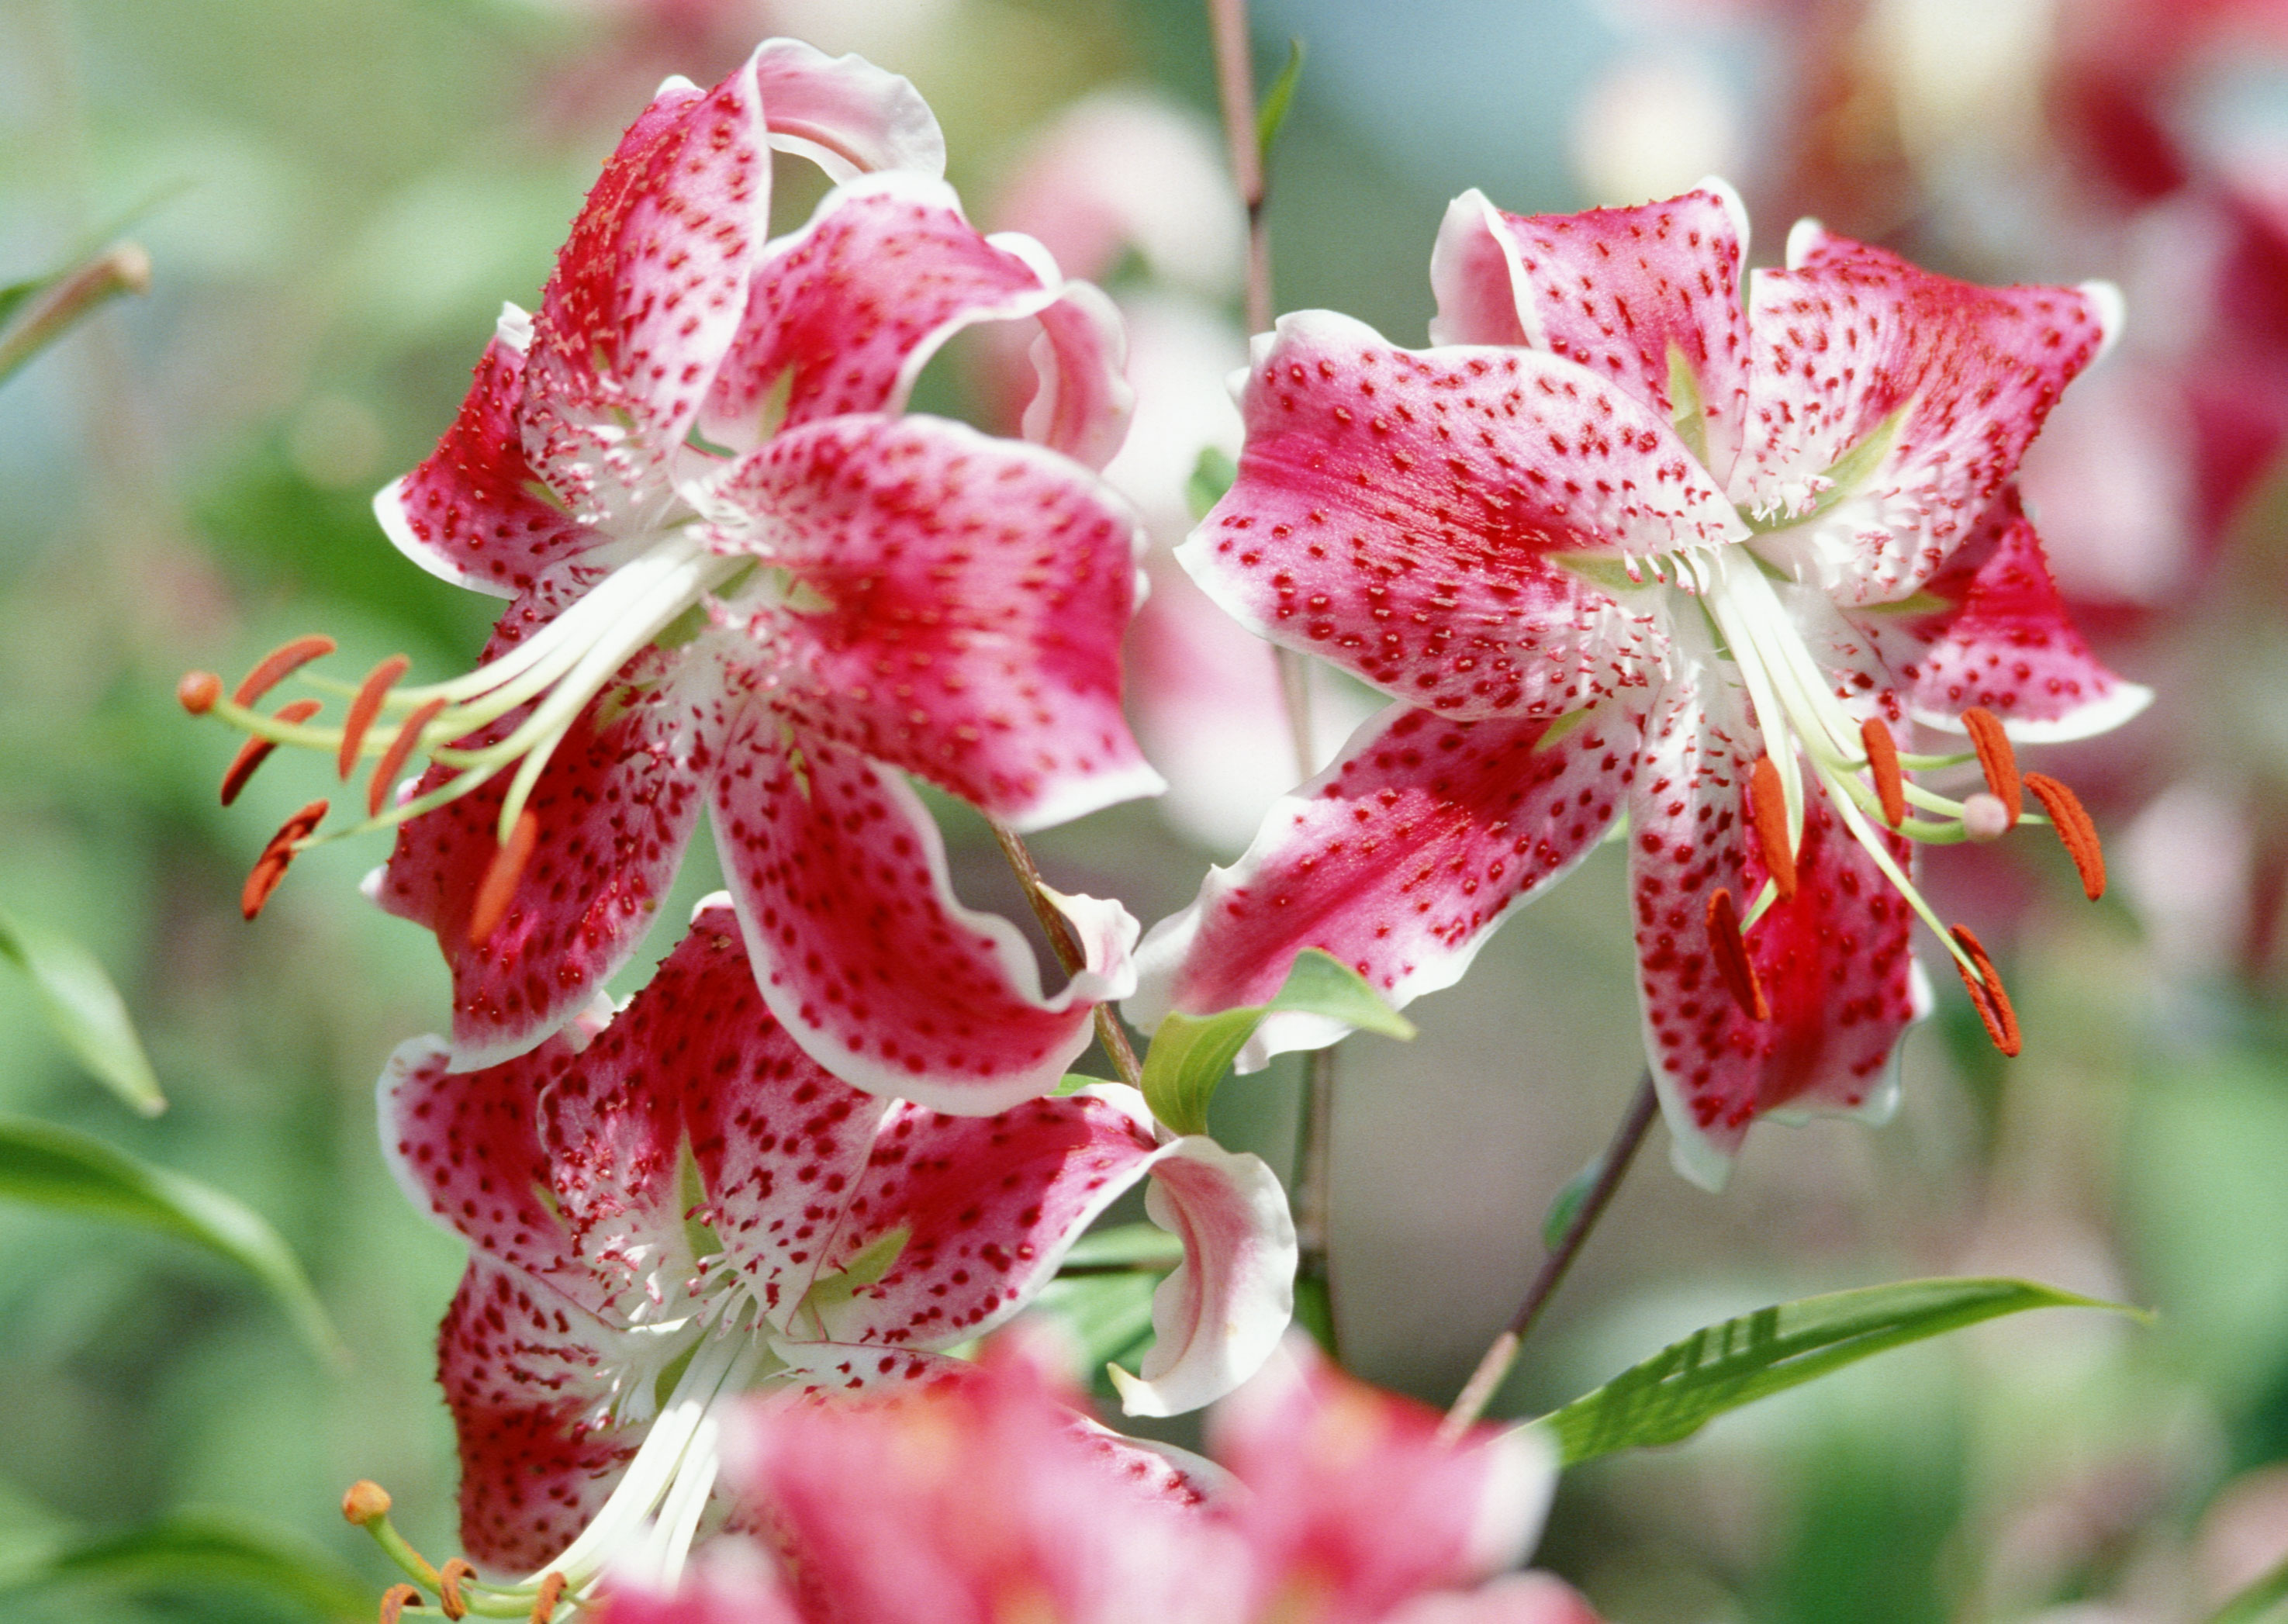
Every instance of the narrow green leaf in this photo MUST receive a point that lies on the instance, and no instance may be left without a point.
(84, 1010)
(1211, 476)
(57, 1167)
(1108, 1317)
(2256, 1600)
(1320, 984)
(57, 304)
(1279, 100)
(1073, 1082)
(12, 295)
(1720, 1367)
(1190, 1053)
(203, 1553)
(1187, 1059)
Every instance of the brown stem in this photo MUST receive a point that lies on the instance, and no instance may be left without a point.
(1109, 1029)
(1486, 1380)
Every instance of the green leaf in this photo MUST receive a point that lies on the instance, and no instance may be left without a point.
(1720, 1367)
(39, 315)
(57, 1167)
(1320, 984)
(1108, 1317)
(1278, 100)
(1565, 1206)
(1211, 476)
(203, 1552)
(1190, 1053)
(84, 1010)
(1073, 1082)
(2248, 1605)
(12, 295)
(1124, 1246)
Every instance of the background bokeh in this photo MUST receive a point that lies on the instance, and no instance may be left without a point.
(336, 195)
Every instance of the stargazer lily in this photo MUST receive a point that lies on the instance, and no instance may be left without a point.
(744, 577)
(1622, 548)
(674, 1206)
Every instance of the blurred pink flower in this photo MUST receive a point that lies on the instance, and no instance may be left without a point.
(976, 1500)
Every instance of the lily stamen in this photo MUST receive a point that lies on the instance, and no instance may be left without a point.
(448, 1586)
(1732, 960)
(395, 1600)
(2076, 830)
(497, 890)
(1985, 988)
(1996, 758)
(1768, 811)
(364, 707)
(280, 663)
(270, 868)
(1883, 766)
(402, 743)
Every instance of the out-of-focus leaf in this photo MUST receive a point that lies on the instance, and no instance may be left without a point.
(1124, 1246)
(84, 1010)
(1211, 476)
(1565, 1206)
(202, 1553)
(1107, 1318)
(1190, 1053)
(1278, 100)
(52, 1167)
(1720, 1367)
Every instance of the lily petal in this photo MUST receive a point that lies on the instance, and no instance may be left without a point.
(1833, 962)
(2001, 639)
(862, 949)
(845, 314)
(647, 292)
(960, 605)
(1623, 291)
(468, 515)
(1849, 337)
(1399, 860)
(843, 114)
(615, 806)
(1407, 514)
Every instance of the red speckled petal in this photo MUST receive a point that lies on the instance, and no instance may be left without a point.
(989, 1206)
(844, 113)
(1833, 962)
(1848, 336)
(1083, 404)
(469, 514)
(959, 609)
(2003, 639)
(1616, 289)
(615, 805)
(844, 1368)
(862, 951)
(780, 1143)
(646, 299)
(1221, 1314)
(1351, 1489)
(844, 313)
(1399, 860)
(526, 1373)
(1403, 513)
(1512, 1598)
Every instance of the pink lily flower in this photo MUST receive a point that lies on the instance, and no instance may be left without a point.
(976, 1500)
(673, 1206)
(1620, 548)
(743, 577)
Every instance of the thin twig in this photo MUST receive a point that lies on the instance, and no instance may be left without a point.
(1486, 1380)
(1059, 928)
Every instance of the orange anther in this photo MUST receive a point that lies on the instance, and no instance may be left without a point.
(367, 706)
(1986, 993)
(395, 1600)
(1732, 961)
(365, 1502)
(1995, 759)
(448, 1586)
(497, 889)
(2075, 830)
(270, 868)
(1883, 767)
(1768, 811)
(280, 663)
(198, 692)
(392, 759)
(254, 752)
(551, 1591)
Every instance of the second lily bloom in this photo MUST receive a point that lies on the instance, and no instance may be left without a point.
(1622, 547)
